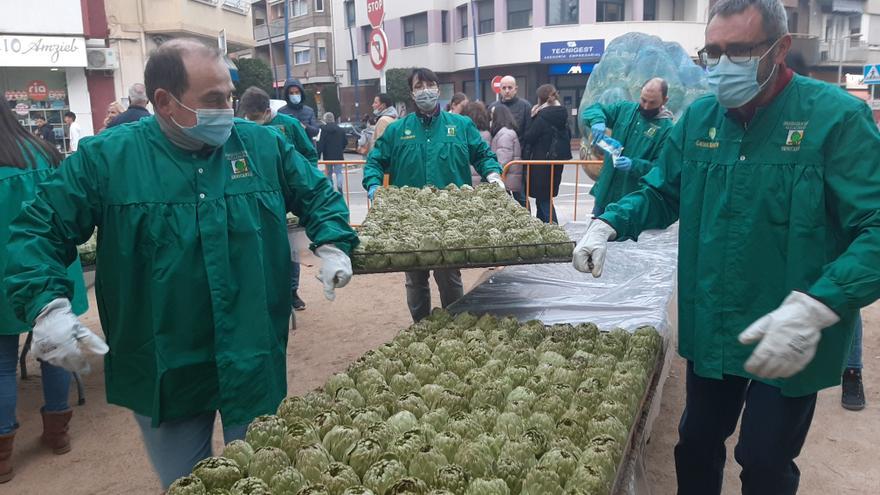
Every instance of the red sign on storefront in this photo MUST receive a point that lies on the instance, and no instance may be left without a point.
(38, 90)
(376, 12)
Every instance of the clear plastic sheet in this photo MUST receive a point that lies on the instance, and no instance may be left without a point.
(634, 290)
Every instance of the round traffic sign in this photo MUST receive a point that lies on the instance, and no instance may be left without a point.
(496, 84)
(378, 49)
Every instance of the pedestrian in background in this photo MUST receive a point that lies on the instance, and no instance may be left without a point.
(476, 111)
(113, 110)
(74, 131)
(506, 146)
(295, 96)
(457, 104)
(137, 106)
(548, 138)
(331, 146)
(519, 107)
(44, 130)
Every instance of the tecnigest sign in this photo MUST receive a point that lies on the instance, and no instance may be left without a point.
(42, 51)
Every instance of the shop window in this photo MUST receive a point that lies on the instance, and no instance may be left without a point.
(415, 30)
(562, 12)
(519, 14)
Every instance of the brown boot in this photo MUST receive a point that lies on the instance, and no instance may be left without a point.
(55, 431)
(6, 473)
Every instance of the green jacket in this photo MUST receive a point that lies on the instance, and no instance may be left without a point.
(193, 269)
(641, 138)
(293, 130)
(438, 154)
(789, 202)
(17, 187)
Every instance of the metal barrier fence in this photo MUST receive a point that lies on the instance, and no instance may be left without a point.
(527, 164)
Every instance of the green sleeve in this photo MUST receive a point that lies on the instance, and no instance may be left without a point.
(310, 196)
(607, 114)
(852, 182)
(481, 157)
(641, 166)
(379, 159)
(303, 144)
(655, 204)
(43, 238)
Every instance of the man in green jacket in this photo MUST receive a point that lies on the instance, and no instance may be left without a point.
(641, 128)
(193, 259)
(254, 105)
(430, 148)
(774, 182)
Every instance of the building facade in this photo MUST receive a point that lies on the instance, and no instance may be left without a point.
(310, 58)
(47, 63)
(137, 27)
(517, 37)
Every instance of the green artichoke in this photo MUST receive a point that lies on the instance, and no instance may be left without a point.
(425, 462)
(364, 454)
(188, 485)
(562, 461)
(338, 477)
(241, 452)
(475, 458)
(250, 486)
(287, 481)
(488, 487)
(453, 478)
(358, 490)
(312, 460)
(265, 431)
(541, 480)
(217, 472)
(383, 474)
(408, 486)
(340, 440)
(299, 434)
(266, 462)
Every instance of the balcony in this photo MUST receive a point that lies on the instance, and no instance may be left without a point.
(263, 31)
(844, 51)
(808, 46)
(238, 6)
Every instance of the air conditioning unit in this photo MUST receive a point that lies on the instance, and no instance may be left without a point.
(101, 59)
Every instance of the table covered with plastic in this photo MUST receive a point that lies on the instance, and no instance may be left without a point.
(637, 288)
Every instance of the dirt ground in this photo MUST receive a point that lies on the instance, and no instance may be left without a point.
(108, 457)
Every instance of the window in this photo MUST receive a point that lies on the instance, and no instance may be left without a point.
(365, 33)
(519, 14)
(319, 5)
(609, 11)
(463, 21)
(650, 10)
(562, 12)
(349, 13)
(444, 26)
(415, 29)
(322, 50)
(486, 16)
(302, 56)
(299, 8)
(278, 11)
(352, 72)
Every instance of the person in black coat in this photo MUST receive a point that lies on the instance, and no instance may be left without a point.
(547, 138)
(331, 146)
(137, 106)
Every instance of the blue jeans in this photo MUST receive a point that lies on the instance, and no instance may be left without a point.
(521, 198)
(56, 384)
(772, 431)
(294, 277)
(176, 446)
(855, 352)
(329, 170)
(543, 213)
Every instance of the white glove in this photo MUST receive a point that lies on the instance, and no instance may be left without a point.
(335, 271)
(589, 254)
(788, 336)
(59, 338)
(495, 178)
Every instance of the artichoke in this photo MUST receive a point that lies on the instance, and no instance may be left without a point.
(287, 481)
(266, 462)
(241, 452)
(326, 421)
(551, 404)
(452, 478)
(408, 486)
(511, 471)
(217, 472)
(383, 474)
(292, 408)
(358, 490)
(336, 382)
(475, 458)
(453, 401)
(447, 443)
(437, 418)
(520, 452)
(488, 487)
(338, 477)
(250, 486)
(406, 445)
(568, 427)
(425, 462)
(188, 485)
(412, 402)
(464, 425)
(589, 479)
(403, 422)
(368, 380)
(315, 489)
(486, 416)
(312, 460)
(543, 423)
(299, 434)
(265, 431)
(363, 418)
(403, 383)
(364, 454)
(340, 440)
(510, 425)
(562, 461)
(541, 481)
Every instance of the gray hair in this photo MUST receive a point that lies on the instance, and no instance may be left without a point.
(137, 94)
(774, 18)
(329, 118)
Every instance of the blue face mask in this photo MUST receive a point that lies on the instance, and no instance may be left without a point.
(737, 84)
(213, 125)
(295, 99)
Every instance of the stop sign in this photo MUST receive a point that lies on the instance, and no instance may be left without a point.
(496, 85)
(375, 12)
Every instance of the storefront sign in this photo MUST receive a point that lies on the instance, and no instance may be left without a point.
(38, 90)
(42, 51)
(570, 69)
(22, 109)
(572, 51)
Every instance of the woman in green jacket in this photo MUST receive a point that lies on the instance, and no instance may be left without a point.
(24, 162)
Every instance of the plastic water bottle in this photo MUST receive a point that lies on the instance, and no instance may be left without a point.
(610, 145)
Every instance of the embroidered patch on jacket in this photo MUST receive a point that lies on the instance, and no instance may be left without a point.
(239, 164)
(795, 135)
(450, 131)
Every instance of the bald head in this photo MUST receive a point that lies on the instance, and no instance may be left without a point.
(508, 88)
(653, 96)
(184, 75)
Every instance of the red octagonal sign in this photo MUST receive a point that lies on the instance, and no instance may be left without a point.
(375, 12)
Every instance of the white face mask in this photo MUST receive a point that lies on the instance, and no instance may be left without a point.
(213, 125)
(426, 99)
(737, 84)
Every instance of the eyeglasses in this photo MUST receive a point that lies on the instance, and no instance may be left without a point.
(710, 56)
